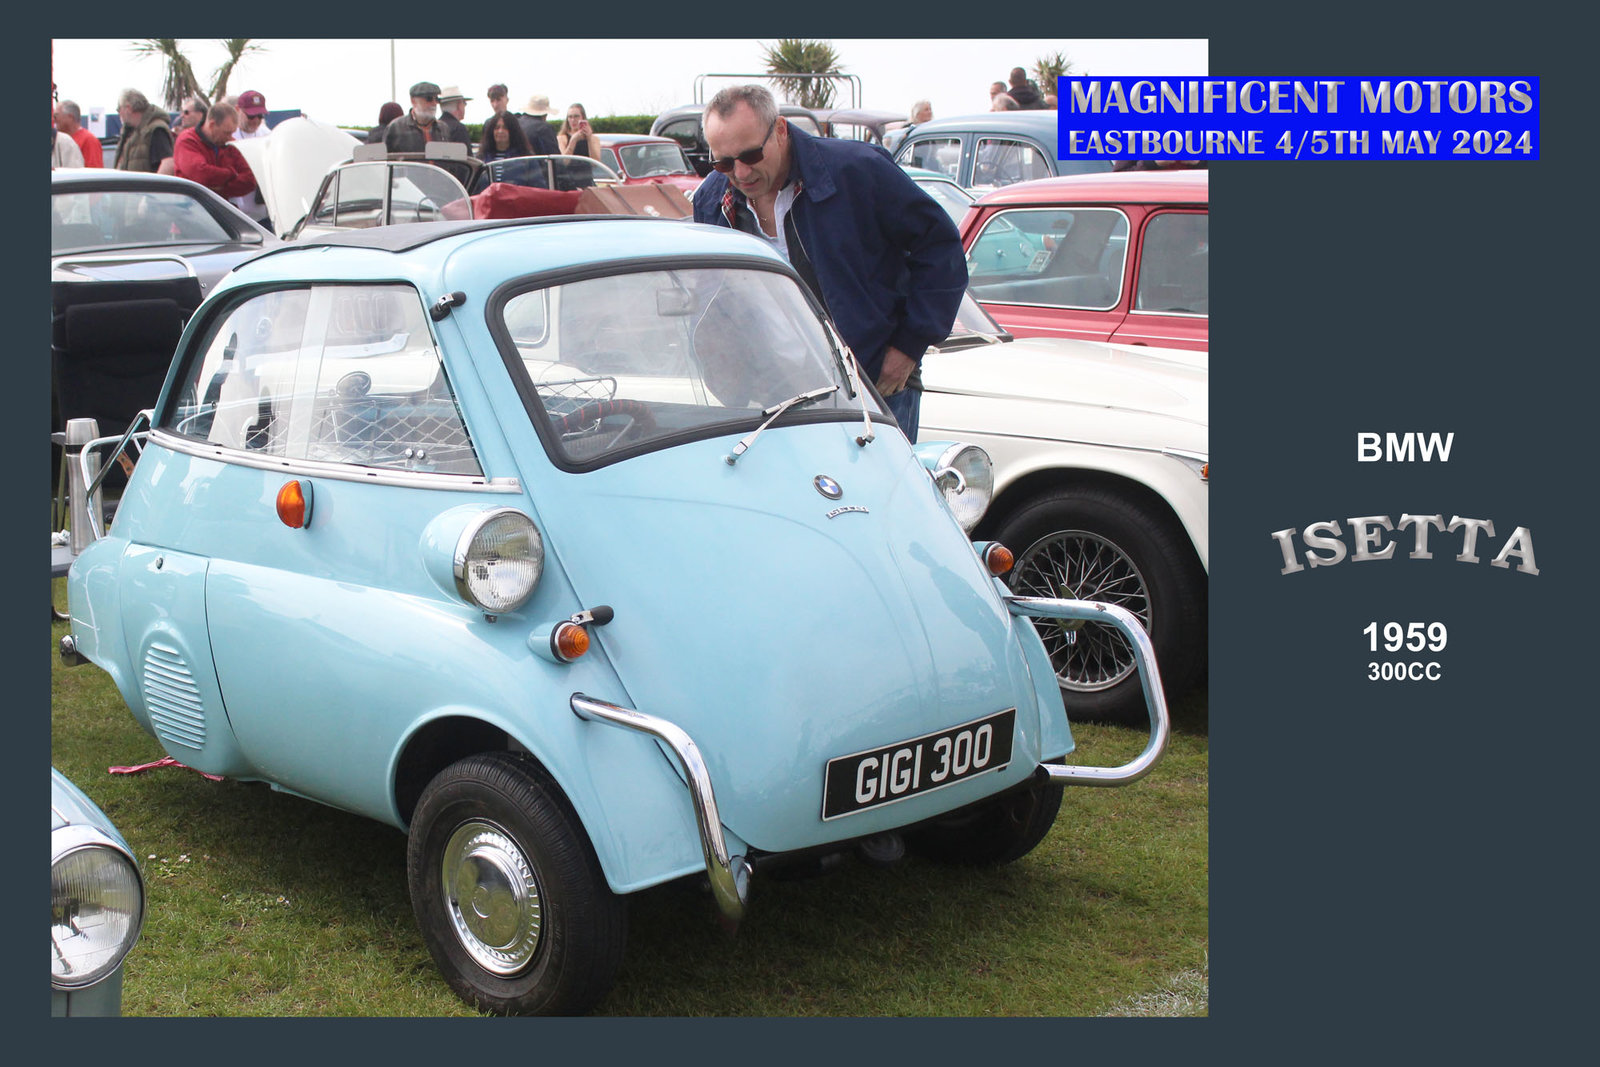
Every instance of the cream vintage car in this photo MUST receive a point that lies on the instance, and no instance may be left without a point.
(1100, 489)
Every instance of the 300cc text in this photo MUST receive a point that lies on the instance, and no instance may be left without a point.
(1414, 671)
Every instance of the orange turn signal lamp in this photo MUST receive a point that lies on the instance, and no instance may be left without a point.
(294, 504)
(569, 641)
(997, 558)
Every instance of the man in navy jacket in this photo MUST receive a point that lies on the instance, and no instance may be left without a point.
(883, 258)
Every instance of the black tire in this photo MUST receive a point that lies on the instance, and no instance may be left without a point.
(552, 938)
(997, 831)
(1093, 543)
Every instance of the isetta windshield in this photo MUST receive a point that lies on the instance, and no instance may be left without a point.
(626, 361)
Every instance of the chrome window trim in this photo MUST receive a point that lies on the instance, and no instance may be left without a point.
(1172, 314)
(311, 468)
(1122, 277)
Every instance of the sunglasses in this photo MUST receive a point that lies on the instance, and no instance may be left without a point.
(429, 98)
(749, 157)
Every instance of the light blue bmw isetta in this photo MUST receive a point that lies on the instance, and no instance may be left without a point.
(578, 550)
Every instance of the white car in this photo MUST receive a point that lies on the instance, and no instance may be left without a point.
(1101, 490)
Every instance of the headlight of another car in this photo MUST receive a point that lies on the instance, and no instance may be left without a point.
(498, 560)
(96, 907)
(964, 474)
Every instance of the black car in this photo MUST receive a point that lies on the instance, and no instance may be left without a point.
(131, 257)
(111, 224)
(683, 125)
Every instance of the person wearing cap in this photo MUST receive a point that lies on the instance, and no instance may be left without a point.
(540, 134)
(413, 131)
(205, 154)
(454, 103)
(252, 123)
(452, 112)
(252, 116)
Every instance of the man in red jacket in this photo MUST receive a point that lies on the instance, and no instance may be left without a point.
(205, 154)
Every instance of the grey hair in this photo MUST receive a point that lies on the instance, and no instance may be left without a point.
(918, 106)
(755, 97)
(71, 109)
(221, 112)
(1004, 102)
(134, 100)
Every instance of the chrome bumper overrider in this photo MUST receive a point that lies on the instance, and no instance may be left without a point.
(730, 875)
(1155, 699)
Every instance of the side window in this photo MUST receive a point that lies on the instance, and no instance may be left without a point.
(1052, 257)
(609, 158)
(1003, 162)
(685, 131)
(1175, 265)
(359, 200)
(421, 192)
(941, 154)
(337, 374)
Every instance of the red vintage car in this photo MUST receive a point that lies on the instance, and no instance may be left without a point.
(640, 158)
(1103, 257)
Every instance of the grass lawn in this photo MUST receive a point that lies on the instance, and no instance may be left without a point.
(266, 904)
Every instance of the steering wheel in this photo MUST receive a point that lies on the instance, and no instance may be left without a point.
(638, 415)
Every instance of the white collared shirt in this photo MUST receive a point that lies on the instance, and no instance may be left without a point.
(780, 211)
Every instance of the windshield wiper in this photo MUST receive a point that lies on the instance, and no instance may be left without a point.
(772, 413)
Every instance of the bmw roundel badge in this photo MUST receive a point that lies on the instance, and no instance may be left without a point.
(827, 487)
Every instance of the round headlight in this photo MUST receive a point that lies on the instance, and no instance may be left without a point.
(96, 908)
(498, 560)
(965, 475)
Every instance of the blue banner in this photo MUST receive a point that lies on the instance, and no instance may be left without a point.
(1291, 118)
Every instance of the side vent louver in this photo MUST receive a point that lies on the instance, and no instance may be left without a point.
(172, 698)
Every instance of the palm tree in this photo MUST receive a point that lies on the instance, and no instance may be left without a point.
(238, 48)
(180, 80)
(791, 57)
(1047, 68)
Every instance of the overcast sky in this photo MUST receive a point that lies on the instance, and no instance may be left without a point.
(346, 81)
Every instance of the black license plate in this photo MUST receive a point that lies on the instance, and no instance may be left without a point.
(884, 775)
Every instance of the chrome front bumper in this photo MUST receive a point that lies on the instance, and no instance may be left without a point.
(730, 875)
(1155, 699)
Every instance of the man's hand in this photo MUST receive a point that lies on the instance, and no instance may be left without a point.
(897, 367)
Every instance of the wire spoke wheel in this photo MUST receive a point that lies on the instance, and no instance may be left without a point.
(1079, 565)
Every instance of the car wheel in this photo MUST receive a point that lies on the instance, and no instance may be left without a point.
(996, 831)
(508, 893)
(1094, 544)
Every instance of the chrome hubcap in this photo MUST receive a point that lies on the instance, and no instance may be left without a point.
(492, 895)
(1078, 565)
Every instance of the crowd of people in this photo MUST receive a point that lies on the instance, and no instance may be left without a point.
(201, 149)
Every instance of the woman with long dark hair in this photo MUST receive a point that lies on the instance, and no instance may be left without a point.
(503, 138)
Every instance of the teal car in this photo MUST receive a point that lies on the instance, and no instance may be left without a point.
(96, 904)
(578, 550)
(991, 149)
